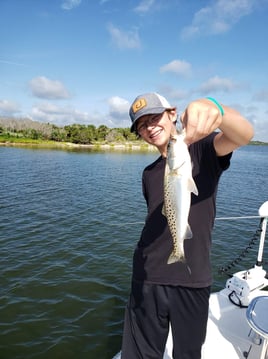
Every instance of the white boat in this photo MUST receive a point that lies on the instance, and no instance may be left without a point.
(238, 314)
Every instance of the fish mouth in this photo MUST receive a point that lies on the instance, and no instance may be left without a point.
(173, 137)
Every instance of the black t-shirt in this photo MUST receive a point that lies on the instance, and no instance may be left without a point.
(155, 244)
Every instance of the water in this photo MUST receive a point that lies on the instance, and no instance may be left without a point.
(69, 222)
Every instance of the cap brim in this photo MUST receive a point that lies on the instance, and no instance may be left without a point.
(150, 111)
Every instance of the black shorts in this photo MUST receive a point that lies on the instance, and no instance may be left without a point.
(152, 308)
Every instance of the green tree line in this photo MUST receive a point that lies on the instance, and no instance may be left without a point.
(76, 133)
(24, 128)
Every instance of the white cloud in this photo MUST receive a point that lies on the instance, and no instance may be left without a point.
(118, 111)
(123, 39)
(144, 6)
(217, 84)
(70, 4)
(11, 63)
(45, 88)
(115, 116)
(118, 106)
(179, 67)
(61, 116)
(8, 108)
(217, 18)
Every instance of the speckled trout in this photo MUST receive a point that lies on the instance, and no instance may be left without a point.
(178, 186)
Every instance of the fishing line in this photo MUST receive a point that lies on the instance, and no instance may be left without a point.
(124, 224)
(232, 218)
(216, 219)
(239, 258)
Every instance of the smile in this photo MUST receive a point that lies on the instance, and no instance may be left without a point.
(155, 134)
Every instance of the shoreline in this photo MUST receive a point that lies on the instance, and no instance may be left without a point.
(129, 146)
(126, 147)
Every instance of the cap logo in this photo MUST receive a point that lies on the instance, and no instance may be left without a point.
(139, 104)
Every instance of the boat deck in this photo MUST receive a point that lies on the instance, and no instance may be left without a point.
(228, 332)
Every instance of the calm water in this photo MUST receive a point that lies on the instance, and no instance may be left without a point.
(69, 222)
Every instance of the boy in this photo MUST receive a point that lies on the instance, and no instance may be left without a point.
(177, 294)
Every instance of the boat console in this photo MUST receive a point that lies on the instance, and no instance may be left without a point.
(258, 320)
(243, 283)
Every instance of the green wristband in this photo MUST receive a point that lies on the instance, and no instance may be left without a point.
(217, 104)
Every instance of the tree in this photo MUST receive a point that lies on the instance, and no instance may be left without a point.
(80, 134)
(114, 136)
(92, 133)
(102, 132)
(57, 134)
(76, 133)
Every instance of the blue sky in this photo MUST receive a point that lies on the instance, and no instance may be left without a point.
(84, 61)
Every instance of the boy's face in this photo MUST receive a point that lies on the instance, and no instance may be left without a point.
(156, 129)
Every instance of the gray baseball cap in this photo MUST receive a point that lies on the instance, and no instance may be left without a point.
(147, 104)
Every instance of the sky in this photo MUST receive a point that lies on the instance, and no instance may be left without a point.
(84, 61)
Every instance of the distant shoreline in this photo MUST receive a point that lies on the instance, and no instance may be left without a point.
(128, 146)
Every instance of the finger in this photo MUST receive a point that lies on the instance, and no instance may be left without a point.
(191, 119)
(206, 121)
(191, 133)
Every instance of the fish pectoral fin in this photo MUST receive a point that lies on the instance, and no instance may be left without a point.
(164, 210)
(192, 186)
(188, 233)
(174, 173)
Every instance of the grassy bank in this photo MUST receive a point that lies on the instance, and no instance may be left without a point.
(137, 145)
(96, 146)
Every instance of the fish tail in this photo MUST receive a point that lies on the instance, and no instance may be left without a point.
(174, 257)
